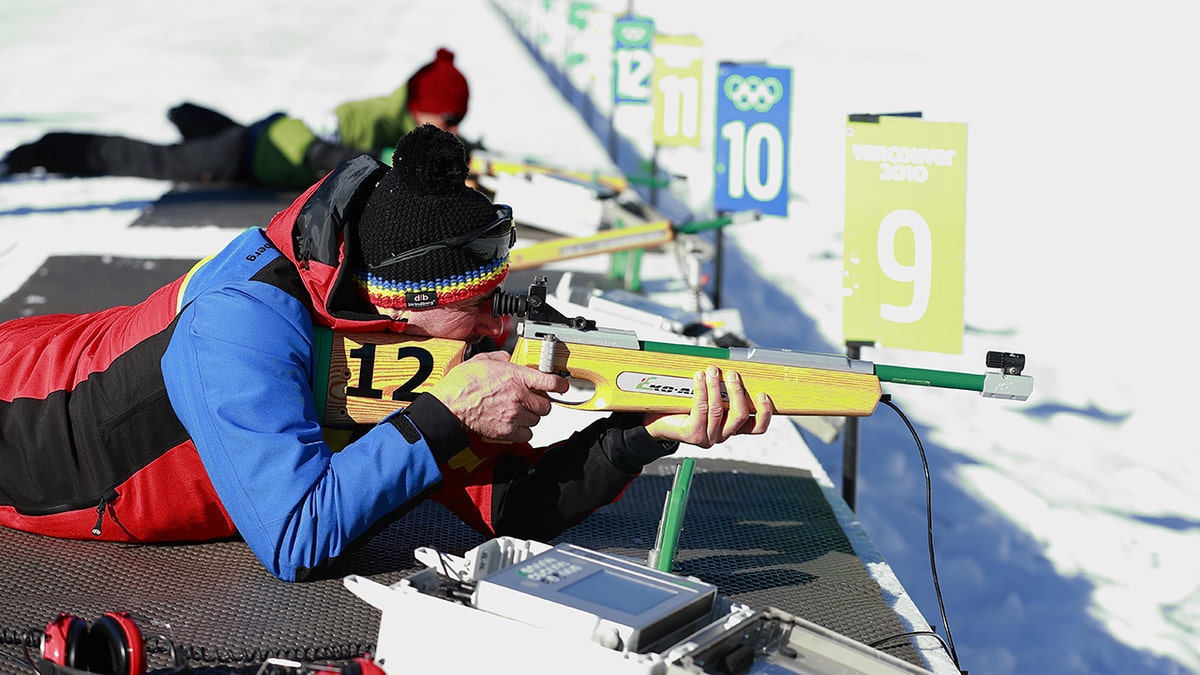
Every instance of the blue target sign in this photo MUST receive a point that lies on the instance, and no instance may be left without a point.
(632, 60)
(754, 112)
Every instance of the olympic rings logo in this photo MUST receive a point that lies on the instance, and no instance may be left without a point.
(753, 92)
(634, 33)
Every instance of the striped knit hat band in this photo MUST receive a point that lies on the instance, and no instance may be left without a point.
(425, 293)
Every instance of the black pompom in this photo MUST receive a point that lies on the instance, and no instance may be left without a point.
(430, 161)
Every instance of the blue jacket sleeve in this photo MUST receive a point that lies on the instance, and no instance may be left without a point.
(238, 373)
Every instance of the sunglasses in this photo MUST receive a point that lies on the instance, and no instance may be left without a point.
(489, 242)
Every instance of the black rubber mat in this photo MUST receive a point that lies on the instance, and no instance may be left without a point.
(764, 535)
(231, 206)
(240, 207)
(74, 284)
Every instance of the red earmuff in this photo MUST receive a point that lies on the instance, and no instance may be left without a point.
(362, 666)
(112, 644)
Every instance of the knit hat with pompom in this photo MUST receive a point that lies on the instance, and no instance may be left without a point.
(439, 88)
(423, 200)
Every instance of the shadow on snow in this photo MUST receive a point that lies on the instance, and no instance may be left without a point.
(1031, 619)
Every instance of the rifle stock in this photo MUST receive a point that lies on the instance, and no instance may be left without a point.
(371, 375)
(657, 377)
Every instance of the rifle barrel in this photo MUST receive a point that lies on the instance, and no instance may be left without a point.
(929, 378)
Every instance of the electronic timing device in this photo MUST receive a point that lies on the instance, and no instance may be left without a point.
(612, 601)
(535, 608)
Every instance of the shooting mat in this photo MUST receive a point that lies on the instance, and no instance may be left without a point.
(764, 535)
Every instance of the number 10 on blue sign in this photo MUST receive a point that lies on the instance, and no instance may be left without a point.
(754, 112)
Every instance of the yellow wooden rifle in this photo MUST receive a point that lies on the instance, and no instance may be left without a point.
(617, 239)
(484, 163)
(371, 375)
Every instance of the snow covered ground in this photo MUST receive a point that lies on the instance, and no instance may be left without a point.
(1067, 526)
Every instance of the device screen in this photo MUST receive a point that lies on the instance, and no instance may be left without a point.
(617, 592)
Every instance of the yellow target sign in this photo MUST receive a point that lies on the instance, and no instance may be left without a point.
(905, 225)
(676, 91)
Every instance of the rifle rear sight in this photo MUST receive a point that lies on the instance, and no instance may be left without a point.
(533, 307)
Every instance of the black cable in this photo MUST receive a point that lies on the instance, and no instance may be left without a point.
(253, 655)
(25, 664)
(912, 633)
(886, 399)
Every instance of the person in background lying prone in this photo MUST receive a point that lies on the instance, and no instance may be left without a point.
(278, 151)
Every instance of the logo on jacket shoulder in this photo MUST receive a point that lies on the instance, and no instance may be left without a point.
(259, 251)
(420, 299)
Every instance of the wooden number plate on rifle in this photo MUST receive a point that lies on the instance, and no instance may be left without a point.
(371, 375)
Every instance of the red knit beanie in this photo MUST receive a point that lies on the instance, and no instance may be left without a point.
(438, 87)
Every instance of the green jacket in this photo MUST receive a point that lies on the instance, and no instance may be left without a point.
(279, 143)
(372, 124)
